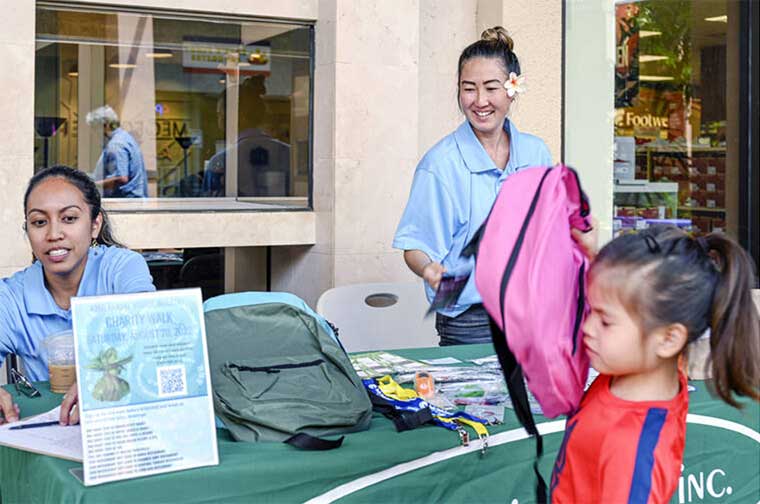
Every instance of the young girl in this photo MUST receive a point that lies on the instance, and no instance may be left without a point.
(650, 294)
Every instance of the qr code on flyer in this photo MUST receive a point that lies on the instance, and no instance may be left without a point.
(171, 381)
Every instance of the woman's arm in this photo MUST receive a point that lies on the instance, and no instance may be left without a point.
(422, 266)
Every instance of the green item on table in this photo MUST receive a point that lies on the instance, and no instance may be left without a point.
(276, 372)
(110, 387)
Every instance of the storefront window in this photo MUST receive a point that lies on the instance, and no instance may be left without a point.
(159, 108)
(676, 157)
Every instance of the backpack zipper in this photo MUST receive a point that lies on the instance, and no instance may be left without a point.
(275, 368)
(581, 304)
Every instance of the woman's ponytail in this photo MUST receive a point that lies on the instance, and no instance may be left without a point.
(735, 324)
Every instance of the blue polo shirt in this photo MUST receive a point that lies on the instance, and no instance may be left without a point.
(28, 312)
(122, 157)
(455, 185)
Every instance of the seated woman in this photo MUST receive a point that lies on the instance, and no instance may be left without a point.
(76, 255)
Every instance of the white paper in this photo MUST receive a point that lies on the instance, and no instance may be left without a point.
(56, 440)
(490, 360)
(441, 361)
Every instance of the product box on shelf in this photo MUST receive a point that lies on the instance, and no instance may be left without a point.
(625, 224)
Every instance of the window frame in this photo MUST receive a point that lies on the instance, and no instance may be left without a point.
(222, 203)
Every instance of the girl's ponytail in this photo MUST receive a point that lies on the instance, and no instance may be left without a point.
(735, 324)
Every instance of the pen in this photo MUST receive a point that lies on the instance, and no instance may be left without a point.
(34, 425)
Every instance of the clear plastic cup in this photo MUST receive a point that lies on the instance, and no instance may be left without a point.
(61, 365)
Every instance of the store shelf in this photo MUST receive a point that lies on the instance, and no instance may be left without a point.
(678, 148)
(701, 209)
(644, 186)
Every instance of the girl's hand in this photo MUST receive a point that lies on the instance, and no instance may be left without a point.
(8, 409)
(69, 407)
(432, 273)
(588, 241)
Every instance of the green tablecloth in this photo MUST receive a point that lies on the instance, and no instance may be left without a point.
(721, 464)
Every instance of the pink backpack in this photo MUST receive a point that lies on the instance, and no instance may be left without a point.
(531, 276)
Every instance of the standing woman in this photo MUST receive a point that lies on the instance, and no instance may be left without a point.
(76, 255)
(456, 182)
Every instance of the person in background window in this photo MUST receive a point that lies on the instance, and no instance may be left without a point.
(456, 182)
(76, 255)
(121, 168)
(263, 161)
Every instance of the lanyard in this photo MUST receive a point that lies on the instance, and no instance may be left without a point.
(407, 400)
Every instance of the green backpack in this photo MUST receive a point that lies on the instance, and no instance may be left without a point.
(279, 373)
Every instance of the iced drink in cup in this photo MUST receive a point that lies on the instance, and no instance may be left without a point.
(60, 351)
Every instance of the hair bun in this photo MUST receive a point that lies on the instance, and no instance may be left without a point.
(499, 35)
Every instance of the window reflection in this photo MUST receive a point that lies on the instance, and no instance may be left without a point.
(196, 108)
(675, 132)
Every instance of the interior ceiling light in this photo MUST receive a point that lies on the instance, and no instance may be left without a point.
(648, 33)
(655, 78)
(644, 58)
(122, 65)
(159, 55)
(73, 73)
(718, 19)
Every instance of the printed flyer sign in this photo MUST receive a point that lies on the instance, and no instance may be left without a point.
(144, 390)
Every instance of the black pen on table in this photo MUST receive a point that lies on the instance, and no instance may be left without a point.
(34, 425)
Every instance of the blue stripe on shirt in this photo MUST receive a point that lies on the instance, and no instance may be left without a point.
(642, 472)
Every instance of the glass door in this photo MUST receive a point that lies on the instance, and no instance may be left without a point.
(677, 135)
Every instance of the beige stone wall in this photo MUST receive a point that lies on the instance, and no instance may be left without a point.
(16, 128)
(446, 28)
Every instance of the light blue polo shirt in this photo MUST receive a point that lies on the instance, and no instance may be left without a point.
(455, 185)
(122, 157)
(28, 312)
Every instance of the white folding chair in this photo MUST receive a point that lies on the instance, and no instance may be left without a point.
(376, 316)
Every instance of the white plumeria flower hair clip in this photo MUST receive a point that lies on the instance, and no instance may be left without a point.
(514, 84)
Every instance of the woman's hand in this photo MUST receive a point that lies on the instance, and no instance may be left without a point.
(588, 241)
(422, 266)
(69, 407)
(432, 273)
(8, 409)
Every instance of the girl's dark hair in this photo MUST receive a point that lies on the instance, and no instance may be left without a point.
(494, 43)
(89, 191)
(700, 282)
